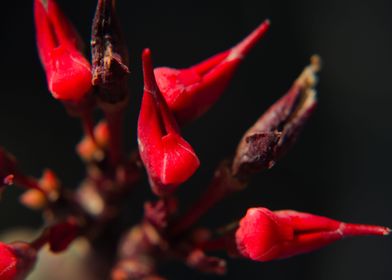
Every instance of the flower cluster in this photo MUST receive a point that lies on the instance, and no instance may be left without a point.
(172, 98)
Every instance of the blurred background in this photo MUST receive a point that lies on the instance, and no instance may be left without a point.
(340, 166)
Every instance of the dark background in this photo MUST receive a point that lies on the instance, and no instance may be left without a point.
(341, 167)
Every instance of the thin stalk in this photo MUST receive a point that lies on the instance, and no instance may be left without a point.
(216, 244)
(28, 183)
(88, 124)
(221, 186)
(40, 241)
(115, 121)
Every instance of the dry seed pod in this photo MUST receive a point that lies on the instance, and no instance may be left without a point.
(278, 128)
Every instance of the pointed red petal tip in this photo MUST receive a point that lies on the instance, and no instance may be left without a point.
(190, 92)
(16, 260)
(242, 49)
(169, 159)
(150, 83)
(264, 235)
(67, 71)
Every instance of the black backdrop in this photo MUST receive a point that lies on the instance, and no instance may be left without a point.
(341, 165)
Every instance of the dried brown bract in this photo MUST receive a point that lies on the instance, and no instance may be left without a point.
(277, 129)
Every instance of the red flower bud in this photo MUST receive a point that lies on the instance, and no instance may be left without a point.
(16, 260)
(190, 92)
(264, 235)
(67, 71)
(168, 158)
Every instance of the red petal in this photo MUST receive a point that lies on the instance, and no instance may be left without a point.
(168, 158)
(191, 92)
(69, 75)
(179, 162)
(67, 70)
(261, 233)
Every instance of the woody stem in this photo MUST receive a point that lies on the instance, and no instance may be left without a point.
(40, 241)
(214, 244)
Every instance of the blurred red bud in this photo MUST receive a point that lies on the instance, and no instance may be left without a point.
(90, 150)
(61, 235)
(16, 260)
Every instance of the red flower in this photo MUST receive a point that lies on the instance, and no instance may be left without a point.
(264, 235)
(168, 158)
(16, 260)
(190, 92)
(68, 72)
